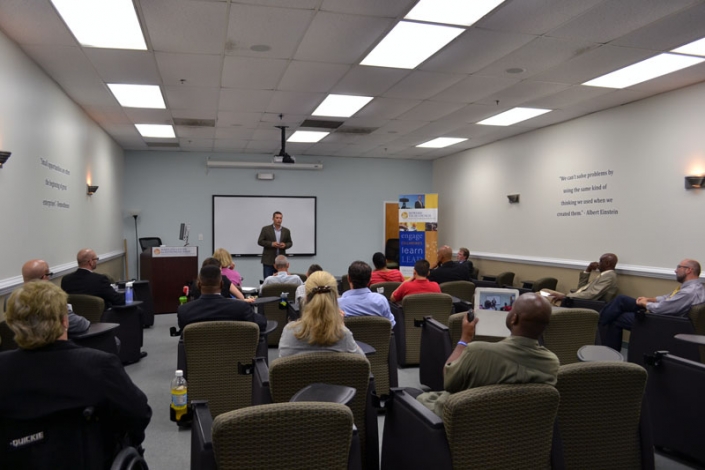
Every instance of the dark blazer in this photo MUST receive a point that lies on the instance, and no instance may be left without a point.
(214, 307)
(64, 376)
(84, 281)
(450, 271)
(267, 237)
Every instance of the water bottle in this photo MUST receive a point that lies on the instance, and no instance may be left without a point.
(179, 396)
(129, 293)
(283, 301)
(184, 298)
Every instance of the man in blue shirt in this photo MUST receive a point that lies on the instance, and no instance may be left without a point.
(360, 300)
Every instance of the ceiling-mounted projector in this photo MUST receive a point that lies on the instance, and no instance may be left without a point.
(282, 156)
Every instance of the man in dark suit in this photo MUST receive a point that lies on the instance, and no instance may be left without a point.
(274, 240)
(85, 281)
(211, 306)
(448, 270)
(463, 255)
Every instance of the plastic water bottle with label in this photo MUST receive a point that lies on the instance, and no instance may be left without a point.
(179, 398)
(129, 292)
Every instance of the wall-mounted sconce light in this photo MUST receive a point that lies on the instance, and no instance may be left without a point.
(694, 182)
(4, 156)
(265, 176)
(92, 190)
(513, 198)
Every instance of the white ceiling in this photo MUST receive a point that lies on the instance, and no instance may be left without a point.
(201, 53)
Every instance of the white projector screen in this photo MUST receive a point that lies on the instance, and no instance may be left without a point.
(238, 220)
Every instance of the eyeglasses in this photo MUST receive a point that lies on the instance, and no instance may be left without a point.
(49, 274)
(684, 267)
(95, 259)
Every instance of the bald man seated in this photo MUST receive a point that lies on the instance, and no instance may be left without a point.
(602, 287)
(448, 270)
(38, 270)
(85, 281)
(518, 359)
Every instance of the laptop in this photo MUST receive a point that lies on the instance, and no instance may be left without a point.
(494, 298)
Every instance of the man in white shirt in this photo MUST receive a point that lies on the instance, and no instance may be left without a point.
(282, 276)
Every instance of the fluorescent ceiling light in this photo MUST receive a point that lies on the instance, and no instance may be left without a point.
(138, 96)
(307, 136)
(656, 66)
(513, 116)
(441, 142)
(156, 130)
(460, 12)
(693, 48)
(110, 24)
(409, 44)
(341, 105)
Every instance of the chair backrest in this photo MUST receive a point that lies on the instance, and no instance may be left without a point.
(599, 415)
(143, 293)
(435, 350)
(505, 279)
(501, 426)
(416, 307)
(89, 307)
(657, 333)
(697, 317)
(149, 242)
(213, 350)
(475, 274)
(284, 435)
(455, 326)
(391, 250)
(66, 440)
(464, 290)
(288, 375)
(568, 331)
(344, 284)
(272, 310)
(375, 331)
(544, 283)
(388, 287)
(303, 277)
(7, 337)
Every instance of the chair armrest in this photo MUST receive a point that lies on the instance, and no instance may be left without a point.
(261, 394)
(202, 456)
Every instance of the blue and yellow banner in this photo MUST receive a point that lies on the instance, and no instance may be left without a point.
(418, 230)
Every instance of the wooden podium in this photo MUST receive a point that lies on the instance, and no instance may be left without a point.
(168, 269)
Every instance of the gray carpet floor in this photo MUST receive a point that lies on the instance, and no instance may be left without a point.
(168, 447)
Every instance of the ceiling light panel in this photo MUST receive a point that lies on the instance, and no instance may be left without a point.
(307, 136)
(164, 131)
(656, 66)
(111, 24)
(693, 48)
(441, 142)
(341, 105)
(409, 44)
(138, 96)
(513, 116)
(459, 12)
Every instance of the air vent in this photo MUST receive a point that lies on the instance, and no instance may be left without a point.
(172, 145)
(356, 130)
(321, 124)
(194, 122)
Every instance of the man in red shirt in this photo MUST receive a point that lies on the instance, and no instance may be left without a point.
(418, 284)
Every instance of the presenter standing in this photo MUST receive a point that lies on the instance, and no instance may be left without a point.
(274, 240)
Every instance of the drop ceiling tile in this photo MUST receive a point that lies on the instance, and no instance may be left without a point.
(262, 146)
(286, 102)
(325, 148)
(34, 22)
(272, 134)
(669, 32)
(232, 118)
(311, 76)
(230, 144)
(244, 100)
(195, 132)
(610, 100)
(435, 129)
(387, 8)
(396, 128)
(254, 74)
(120, 66)
(234, 133)
(369, 81)
(471, 113)
(186, 26)
(108, 115)
(522, 92)
(196, 144)
(611, 20)
(386, 108)
(365, 122)
(122, 131)
(194, 114)
(185, 97)
(568, 97)
(474, 88)
(148, 116)
(430, 111)
(194, 69)
(277, 119)
(93, 94)
(64, 64)
(342, 39)
(422, 85)
(303, 4)
(132, 144)
(534, 16)
(280, 29)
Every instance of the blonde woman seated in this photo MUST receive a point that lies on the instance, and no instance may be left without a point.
(321, 326)
(227, 267)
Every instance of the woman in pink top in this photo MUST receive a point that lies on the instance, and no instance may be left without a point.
(382, 273)
(227, 267)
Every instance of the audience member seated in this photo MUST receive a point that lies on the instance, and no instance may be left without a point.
(321, 326)
(38, 270)
(85, 281)
(518, 359)
(228, 290)
(619, 314)
(227, 267)
(301, 290)
(599, 288)
(282, 276)
(382, 273)
(49, 374)
(418, 284)
(212, 306)
(448, 270)
(360, 300)
(463, 255)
